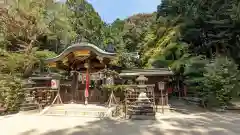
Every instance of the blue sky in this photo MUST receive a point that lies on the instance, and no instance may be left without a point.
(109, 10)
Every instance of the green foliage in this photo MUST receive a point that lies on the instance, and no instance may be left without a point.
(44, 54)
(194, 76)
(210, 30)
(11, 92)
(115, 88)
(127, 36)
(24, 26)
(14, 63)
(86, 22)
(216, 82)
(34, 23)
(186, 36)
(163, 49)
(210, 27)
(221, 80)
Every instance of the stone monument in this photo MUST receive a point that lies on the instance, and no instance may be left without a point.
(143, 108)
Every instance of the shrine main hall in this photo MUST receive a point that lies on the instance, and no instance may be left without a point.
(80, 73)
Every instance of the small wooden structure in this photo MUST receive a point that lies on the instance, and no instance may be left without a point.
(154, 76)
(38, 93)
(140, 100)
(80, 60)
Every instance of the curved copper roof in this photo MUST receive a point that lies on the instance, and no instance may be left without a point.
(81, 46)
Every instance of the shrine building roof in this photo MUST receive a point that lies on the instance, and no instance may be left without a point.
(146, 72)
(81, 46)
(78, 55)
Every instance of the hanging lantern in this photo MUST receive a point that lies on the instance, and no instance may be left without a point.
(86, 65)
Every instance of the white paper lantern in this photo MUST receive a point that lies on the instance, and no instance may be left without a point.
(54, 84)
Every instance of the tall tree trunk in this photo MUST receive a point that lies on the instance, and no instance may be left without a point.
(29, 47)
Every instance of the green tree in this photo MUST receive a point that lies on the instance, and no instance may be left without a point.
(25, 27)
(86, 22)
(221, 81)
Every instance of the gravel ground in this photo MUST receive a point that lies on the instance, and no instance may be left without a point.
(172, 123)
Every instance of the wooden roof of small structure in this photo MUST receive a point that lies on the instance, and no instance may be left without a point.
(146, 72)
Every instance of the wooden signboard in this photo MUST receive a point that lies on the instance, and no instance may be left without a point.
(81, 53)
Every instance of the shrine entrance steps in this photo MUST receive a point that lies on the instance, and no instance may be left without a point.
(78, 110)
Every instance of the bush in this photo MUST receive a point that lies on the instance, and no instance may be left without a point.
(193, 75)
(12, 94)
(13, 68)
(221, 81)
(215, 81)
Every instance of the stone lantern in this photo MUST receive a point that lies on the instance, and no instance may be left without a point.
(142, 88)
(143, 107)
(142, 80)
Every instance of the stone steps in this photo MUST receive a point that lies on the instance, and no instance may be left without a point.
(78, 111)
(76, 114)
(166, 108)
(143, 117)
(29, 107)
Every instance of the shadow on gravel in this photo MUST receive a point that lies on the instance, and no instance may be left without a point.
(204, 124)
(183, 107)
(189, 121)
(107, 127)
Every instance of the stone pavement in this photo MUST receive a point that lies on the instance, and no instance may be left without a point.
(172, 123)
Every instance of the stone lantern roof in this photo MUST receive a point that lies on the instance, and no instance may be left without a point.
(142, 78)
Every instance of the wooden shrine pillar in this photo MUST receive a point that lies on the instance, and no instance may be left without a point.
(74, 86)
